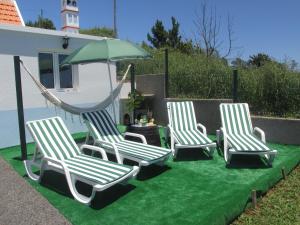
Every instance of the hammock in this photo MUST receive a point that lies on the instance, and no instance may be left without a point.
(73, 109)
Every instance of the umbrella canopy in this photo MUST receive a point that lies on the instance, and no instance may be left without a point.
(106, 50)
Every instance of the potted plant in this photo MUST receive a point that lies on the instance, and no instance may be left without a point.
(135, 99)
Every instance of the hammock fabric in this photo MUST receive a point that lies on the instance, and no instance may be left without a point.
(73, 109)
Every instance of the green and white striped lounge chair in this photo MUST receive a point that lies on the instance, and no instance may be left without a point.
(56, 150)
(105, 134)
(184, 128)
(239, 135)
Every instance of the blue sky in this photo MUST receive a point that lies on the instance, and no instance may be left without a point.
(269, 26)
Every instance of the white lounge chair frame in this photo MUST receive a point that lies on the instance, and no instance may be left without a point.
(228, 150)
(47, 163)
(175, 143)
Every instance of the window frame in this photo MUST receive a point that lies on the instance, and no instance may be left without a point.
(56, 72)
(53, 68)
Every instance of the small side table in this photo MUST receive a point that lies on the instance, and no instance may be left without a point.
(151, 134)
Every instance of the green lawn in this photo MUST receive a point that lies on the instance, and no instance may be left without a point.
(190, 190)
(281, 205)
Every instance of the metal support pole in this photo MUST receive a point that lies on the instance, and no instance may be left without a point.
(283, 173)
(235, 86)
(20, 107)
(166, 73)
(132, 81)
(254, 199)
(115, 19)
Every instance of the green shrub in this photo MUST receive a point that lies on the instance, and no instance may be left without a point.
(271, 89)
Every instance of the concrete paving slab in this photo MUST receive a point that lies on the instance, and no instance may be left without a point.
(21, 204)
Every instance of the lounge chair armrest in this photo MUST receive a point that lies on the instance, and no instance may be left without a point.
(140, 136)
(225, 143)
(224, 133)
(219, 135)
(261, 132)
(203, 128)
(113, 146)
(97, 149)
(173, 141)
(225, 137)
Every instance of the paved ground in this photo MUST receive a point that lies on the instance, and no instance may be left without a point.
(21, 204)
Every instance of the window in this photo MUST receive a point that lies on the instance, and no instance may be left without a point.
(46, 70)
(65, 74)
(75, 19)
(52, 75)
(70, 18)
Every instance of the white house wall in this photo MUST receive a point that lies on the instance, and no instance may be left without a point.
(93, 81)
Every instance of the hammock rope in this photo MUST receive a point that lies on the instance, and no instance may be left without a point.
(74, 109)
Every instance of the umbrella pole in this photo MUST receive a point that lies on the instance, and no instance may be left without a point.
(111, 91)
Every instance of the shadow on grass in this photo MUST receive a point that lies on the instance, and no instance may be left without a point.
(110, 195)
(243, 161)
(58, 183)
(247, 162)
(191, 154)
(19, 158)
(148, 172)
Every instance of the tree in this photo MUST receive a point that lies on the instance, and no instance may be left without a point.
(238, 62)
(170, 38)
(188, 47)
(159, 35)
(41, 23)
(98, 31)
(174, 38)
(259, 60)
(291, 64)
(208, 34)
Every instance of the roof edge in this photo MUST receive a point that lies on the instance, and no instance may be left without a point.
(42, 31)
(19, 12)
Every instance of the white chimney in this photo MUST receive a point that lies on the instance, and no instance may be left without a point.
(70, 16)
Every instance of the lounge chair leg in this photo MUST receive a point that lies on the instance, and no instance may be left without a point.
(174, 153)
(219, 137)
(270, 158)
(227, 157)
(210, 151)
(79, 197)
(31, 175)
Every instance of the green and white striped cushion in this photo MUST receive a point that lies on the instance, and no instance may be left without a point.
(236, 118)
(141, 151)
(182, 116)
(182, 119)
(53, 138)
(103, 128)
(56, 142)
(97, 170)
(246, 142)
(191, 137)
(236, 121)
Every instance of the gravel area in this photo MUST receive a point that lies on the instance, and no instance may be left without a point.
(21, 204)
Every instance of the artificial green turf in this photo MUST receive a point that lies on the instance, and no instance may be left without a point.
(190, 190)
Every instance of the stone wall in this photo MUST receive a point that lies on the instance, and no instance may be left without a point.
(279, 130)
(207, 110)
